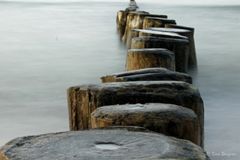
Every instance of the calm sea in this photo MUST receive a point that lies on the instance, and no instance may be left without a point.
(47, 47)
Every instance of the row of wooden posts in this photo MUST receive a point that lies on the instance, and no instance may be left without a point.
(140, 30)
(154, 92)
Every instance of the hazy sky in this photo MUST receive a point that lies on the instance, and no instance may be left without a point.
(218, 2)
(207, 2)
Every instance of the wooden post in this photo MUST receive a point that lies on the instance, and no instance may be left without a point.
(101, 144)
(178, 46)
(83, 100)
(148, 74)
(168, 119)
(156, 22)
(121, 21)
(135, 21)
(149, 58)
(193, 55)
(147, 32)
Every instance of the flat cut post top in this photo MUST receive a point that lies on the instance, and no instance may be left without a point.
(173, 30)
(116, 144)
(160, 33)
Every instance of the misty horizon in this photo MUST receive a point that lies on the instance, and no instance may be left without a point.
(164, 2)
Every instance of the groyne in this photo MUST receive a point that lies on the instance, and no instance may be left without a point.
(149, 111)
(159, 55)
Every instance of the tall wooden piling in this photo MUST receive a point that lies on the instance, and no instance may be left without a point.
(135, 21)
(121, 21)
(193, 55)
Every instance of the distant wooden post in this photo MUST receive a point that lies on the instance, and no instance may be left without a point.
(147, 32)
(180, 47)
(135, 21)
(149, 58)
(193, 56)
(121, 22)
(156, 22)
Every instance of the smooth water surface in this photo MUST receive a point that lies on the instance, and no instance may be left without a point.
(47, 47)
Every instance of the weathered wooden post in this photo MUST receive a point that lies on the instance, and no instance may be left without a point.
(135, 21)
(193, 56)
(156, 22)
(148, 32)
(121, 21)
(101, 144)
(148, 74)
(188, 33)
(149, 58)
(83, 100)
(122, 16)
(178, 46)
(168, 119)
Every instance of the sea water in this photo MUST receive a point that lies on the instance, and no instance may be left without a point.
(47, 47)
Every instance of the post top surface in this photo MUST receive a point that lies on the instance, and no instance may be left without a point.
(119, 144)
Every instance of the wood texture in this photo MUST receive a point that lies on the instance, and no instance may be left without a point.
(112, 144)
(148, 74)
(121, 21)
(83, 100)
(156, 22)
(178, 46)
(149, 58)
(193, 54)
(168, 119)
(135, 21)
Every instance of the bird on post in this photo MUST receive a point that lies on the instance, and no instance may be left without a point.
(132, 6)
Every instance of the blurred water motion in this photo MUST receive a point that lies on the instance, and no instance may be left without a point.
(45, 48)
